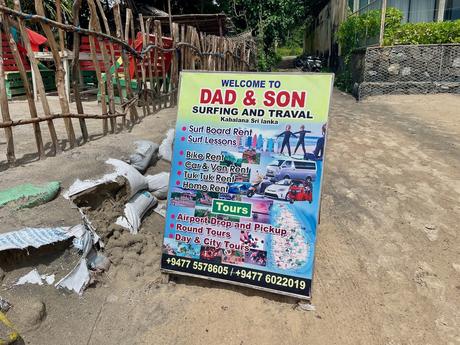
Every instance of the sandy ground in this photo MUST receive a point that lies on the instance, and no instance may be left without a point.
(388, 254)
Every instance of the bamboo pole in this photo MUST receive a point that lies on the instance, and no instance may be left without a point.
(149, 59)
(59, 73)
(76, 68)
(170, 19)
(119, 35)
(10, 157)
(132, 110)
(182, 49)
(26, 84)
(100, 81)
(175, 62)
(145, 105)
(112, 53)
(155, 69)
(59, 20)
(94, 20)
(129, 89)
(136, 71)
(38, 79)
(159, 41)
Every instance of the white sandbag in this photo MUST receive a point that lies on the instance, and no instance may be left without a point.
(158, 184)
(78, 279)
(167, 145)
(135, 179)
(145, 151)
(135, 209)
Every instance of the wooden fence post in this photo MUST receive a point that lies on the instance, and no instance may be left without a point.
(136, 71)
(4, 104)
(100, 81)
(38, 78)
(152, 85)
(59, 74)
(112, 55)
(27, 88)
(94, 20)
(159, 40)
(132, 109)
(145, 105)
(76, 68)
(175, 61)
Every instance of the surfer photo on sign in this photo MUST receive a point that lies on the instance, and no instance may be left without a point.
(301, 140)
(286, 137)
(319, 149)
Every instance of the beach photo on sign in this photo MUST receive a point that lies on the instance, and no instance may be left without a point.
(182, 249)
(229, 196)
(205, 198)
(233, 257)
(252, 240)
(251, 156)
(211, 254)
(232, 158)
(256, 257)
(183, 197)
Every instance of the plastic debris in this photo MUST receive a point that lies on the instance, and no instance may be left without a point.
(28, 195)
(78, 279)
(305, 306)
(37, 237)
(167, 146)
(158, 184)
(161, 209)
(49, 279)
(98, 262)
(33, 277)
(4, 305)
(30, 278)
(136, 181)
(135, 209)
(12, 335)
(146, 152)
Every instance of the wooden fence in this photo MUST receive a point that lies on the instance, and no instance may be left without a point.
(134, 71)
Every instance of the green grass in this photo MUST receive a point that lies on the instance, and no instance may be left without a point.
(289, 51)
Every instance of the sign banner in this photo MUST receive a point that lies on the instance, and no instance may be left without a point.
(244, 193)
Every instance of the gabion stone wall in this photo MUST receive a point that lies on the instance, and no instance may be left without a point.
(410, 69)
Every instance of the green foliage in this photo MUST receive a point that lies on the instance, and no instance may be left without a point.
(290, 51)
(354, 32)
(269, 20)
(293, 45)
(49, 5)
(425, 33)
(357, 30)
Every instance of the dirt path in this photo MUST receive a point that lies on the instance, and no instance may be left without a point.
(387, 264)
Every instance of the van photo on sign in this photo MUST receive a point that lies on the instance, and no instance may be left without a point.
(291, 168)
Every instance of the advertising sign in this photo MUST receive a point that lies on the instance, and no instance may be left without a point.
(244, 194)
